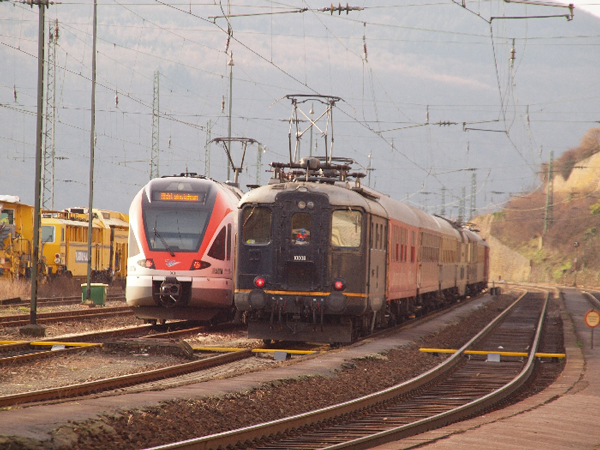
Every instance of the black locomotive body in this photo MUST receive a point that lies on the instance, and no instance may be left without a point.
(301, 263)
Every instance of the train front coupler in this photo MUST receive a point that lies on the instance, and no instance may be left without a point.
(170, 292)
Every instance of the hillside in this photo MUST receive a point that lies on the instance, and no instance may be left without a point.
(567, 251)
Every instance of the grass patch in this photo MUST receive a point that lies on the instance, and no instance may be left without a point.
(13, 289)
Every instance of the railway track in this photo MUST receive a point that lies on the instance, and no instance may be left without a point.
(24, 352)
(18, 320)
(97, 386)
(48, 302)
(458, 388)
(29, 351)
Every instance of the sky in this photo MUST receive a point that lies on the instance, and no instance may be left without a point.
(448, 105)
(590, 6)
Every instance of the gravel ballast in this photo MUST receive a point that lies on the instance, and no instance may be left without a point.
(181, 419)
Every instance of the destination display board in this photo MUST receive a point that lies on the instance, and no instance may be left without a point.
(178, 196)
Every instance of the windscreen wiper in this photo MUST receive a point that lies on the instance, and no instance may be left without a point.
(156, 233)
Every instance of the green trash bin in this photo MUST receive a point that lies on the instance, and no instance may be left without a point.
(97, 293)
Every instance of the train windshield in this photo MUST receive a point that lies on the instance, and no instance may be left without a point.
(175, 229)
(176, 213)
(256, 224)
(346, 228)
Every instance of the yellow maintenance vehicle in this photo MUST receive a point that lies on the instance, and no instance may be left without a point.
(16, 238)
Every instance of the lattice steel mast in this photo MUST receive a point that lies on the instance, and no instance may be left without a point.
(50, 122)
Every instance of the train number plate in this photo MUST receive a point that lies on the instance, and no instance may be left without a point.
(299, 257)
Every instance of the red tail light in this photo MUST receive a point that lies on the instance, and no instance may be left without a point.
(259, 282)
(339, 285)
(147, 263)
(198, 265)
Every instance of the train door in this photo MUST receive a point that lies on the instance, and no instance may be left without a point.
(348, 249)
(304, 222)
(377, 262)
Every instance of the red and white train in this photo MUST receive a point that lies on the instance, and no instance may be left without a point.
(324, 259)
(182, 232)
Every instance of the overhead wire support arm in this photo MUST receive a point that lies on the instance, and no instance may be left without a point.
(228, 140)
(569, 16)
(330, 9)
(550, 4)
(292, 11)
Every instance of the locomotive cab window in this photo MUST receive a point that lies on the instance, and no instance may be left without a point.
(48, 234)
(7, 216)
(301, 228)
(256, 225)
(346, 228)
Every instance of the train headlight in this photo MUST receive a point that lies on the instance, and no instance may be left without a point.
(259, 282)
(198, 265)
(339, 285)
(301, 204)
(147, 263)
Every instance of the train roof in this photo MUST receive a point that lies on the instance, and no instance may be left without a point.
(9, 199)
(330, 177)
(192, 179)
(346, 194)
(339, 194)
(107, 217)
(474, 237)
(71, 222)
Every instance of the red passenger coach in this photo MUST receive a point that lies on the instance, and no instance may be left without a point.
(181, 244)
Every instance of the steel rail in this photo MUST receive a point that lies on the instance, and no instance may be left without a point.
(34, 355)
(23, 319)
(81, 312)
(49, 302)
(455, 414)
(121, 381)
(331, 414)
(75, 344)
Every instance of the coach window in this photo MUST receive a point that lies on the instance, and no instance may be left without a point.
(256, 225)
(217, 250)
(301, 228)
(346, 228)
